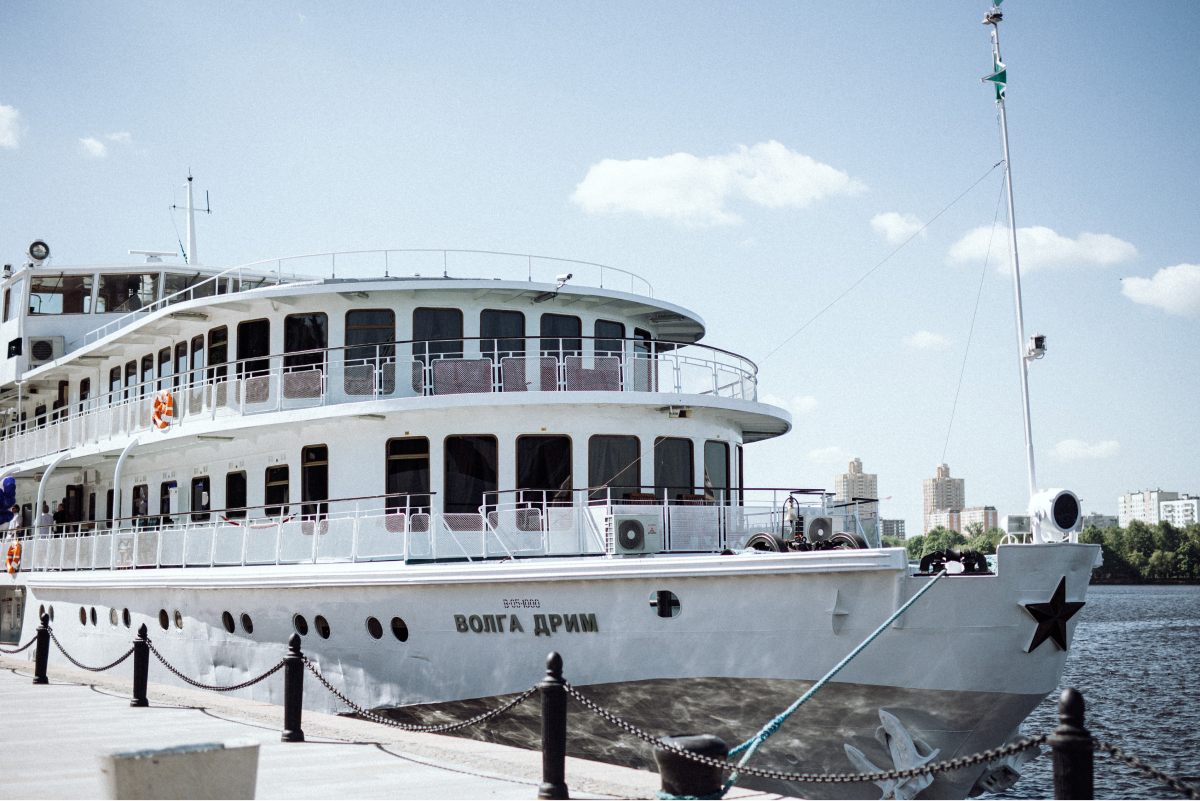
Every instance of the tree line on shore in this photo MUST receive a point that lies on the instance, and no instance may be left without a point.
(1132, 555)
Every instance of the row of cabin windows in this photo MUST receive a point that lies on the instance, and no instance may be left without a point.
(470, 463)
(368, 333)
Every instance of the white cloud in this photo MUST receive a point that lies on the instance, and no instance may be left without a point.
(10, 128)
(831, 454)
(93, 148)
(926, 340)
(1069, 450)
(123, 136)
(897, 228)
(1175, 290)
(1041, 248)
(801, 404)
(693, 191)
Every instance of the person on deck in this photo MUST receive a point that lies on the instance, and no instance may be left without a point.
(45, 521)
(60, 519)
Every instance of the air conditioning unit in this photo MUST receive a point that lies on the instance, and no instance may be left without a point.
(44, 349)
(816, 528)
(636, 534)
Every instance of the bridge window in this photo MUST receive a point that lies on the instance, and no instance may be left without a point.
(201, 286)
(561, 335)
(493, 326)
(471, 470)
(716, 471)
(60, 294)
(408, 473)
(277, 490)
(673, 477)
(430, 325)
(544, 466)
(305, 332)
(126, 293)
(608, 338)
(614, 467)
(235, 495)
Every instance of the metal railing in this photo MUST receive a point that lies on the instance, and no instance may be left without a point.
(511, 524)
(359, 373)
(379, 264)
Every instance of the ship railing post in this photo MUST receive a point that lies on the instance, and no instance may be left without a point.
(141, 667)
(42, 654)
(1073, 749)
(554, 730)
(293, 692)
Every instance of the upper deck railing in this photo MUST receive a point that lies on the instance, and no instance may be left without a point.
(397, 263)
(385, 371)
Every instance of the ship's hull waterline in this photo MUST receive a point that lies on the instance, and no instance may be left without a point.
(752, 633)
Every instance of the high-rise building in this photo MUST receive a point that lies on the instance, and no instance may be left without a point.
(942, 493)
(1098, 520)
(892, 528)
(986, 515)
(857, 484)
(1142, 506)
(946, 518)
(1180, 512)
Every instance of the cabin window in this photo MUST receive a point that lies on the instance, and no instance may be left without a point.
(673, 478)
(60, 294)
(126, 293)
(200, 498)
(561, 335)
(108, 508)
(218, 353)
(305, 332)
(85, 393)
(408, 473)
(181, 363)
(200, 286)
(276, 490)
(502, 334)
(437, 334)
(164, 367)
(366, 331)
(114, 384)
(471, 471)
(235, 495)
(254, 341)
(61, 401)
(197, 360)
(314, 479)
(716, 471)
(147, 373)
(141, 501)
(609, 336)
(7, 303)
(544, 468)
(130, 377)
(165, 491)
(614, 467)
(39, 415)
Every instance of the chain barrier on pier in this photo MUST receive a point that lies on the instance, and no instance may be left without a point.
(212, 687)
(1149, 771)
(82, 666)
(24, 647)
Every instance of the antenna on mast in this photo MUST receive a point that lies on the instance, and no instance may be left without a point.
(1037, 348)
(189, 255)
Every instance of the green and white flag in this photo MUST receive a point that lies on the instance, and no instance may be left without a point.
(999, 77)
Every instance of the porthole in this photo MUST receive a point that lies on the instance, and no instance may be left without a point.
(247, 624)
(300, 624)
(82, 616)
(665, 603)
(322, 626)
(178, 619)
(400, 629)
(93, 615)
(112, 616)
(126, 618)
(227, 622)
(164, 620)
(374, 628)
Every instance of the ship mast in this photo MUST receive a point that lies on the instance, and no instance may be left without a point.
(191, 224)
(999, 77)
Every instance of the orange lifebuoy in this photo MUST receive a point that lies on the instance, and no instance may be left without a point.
(14, 557)
(164, 408)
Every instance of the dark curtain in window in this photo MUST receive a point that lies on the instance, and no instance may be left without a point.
(368, 327)
(494, 326)
(304, 332)
(437, 324)
(560, 335)
(544, 463)
(673, 467)
(471, 464)
(235, 495)
(253, 341)
(408, 473)
(314, 479)
(613, 462)
(608, 338)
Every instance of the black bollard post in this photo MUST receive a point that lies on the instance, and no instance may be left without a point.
(293, 692)
(141, 667)
(685, 778)
(554, 730)
(42, 655)
(1073, 749)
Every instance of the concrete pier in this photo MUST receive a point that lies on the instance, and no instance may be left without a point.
(52, 737)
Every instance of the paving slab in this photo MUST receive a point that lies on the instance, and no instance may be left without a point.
(53, 735)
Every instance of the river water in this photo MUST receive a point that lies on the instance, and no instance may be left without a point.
(1135, 657)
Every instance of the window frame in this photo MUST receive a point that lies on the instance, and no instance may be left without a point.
(595, 487)
(550, 495)
(392, 500)
(446, 500)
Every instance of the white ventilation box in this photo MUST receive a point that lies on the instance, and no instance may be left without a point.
(817, 528)
(44, 349)
(636, 534)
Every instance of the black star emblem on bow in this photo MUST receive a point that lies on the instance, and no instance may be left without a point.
(1052, 617)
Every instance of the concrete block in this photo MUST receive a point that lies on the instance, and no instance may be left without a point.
(206, 770)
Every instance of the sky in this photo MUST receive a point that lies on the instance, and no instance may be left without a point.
(754, 162)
